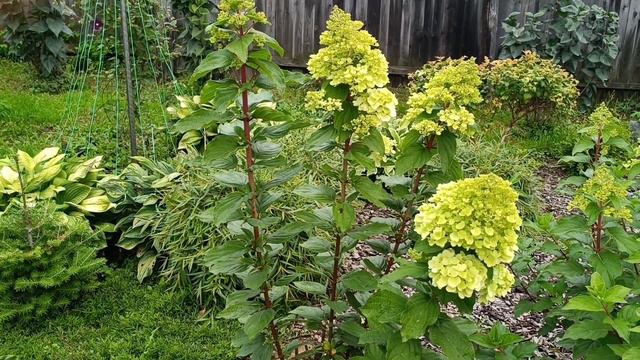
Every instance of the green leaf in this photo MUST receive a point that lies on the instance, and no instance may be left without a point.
(385, 306)
(413, 156)
(231, 178)
(269, 114)
(407, 269)
(360, 280)
(447, 151)
(238, 310)
(255, 279)
(269, 41)
(454, 343)
(310, 287)
(219, 59)
(403, 350)
(283, 176)
(372, 192)
(56, 25)
(584, 303)
(309, 312)
(322, 193)
(146, 264)
(74, 193)
(344, 216)
(216, 89)
(609, 265)
(422, 312)
(224, 210)
(198, 120)
(374, 141)
(317, 245)
(226, 258)
(322, 139)
(258, 322)
(587, 329)
(582, 145)
(221, 146)
(270, 70)
(616, 294)
(240, 47)
(364, 232)
(266, 149)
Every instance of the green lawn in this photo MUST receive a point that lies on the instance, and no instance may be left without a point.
(121, 320)
(87, 122)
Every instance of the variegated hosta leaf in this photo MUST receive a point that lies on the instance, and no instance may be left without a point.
(42, 177)
(27, 164)
(75, 193)
(95, 204)
(189, 139)
(9, 179)
(46, 154)
(80, 171)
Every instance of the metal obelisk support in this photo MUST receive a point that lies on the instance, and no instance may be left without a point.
(131, 103)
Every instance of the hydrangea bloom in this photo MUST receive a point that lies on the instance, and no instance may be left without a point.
(457, 273)
(350, 57)
(608, 193)
(604, 122)
(499, 285)
(478, 214)
(319, 100)
(389, 150)
(452, 86)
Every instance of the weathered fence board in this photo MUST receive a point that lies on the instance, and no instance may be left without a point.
(411, 32)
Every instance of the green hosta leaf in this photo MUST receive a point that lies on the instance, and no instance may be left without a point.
(231, 178)
(385, 306)
(587, 329)
(74, 193)
(146, 265)
(584, 303)
(344, 216)
(224, 210)
(310, 287)
(309, 312)
(221, 146)
(269, 114)
(422, 312)
(213, 61)
(359, 281)
(454, 343)
(258, 322)
(322, 193)
(373, 192)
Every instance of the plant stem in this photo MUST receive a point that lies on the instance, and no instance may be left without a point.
(408, 213)
(256, 244)
(25, 209)
(596, 155)
(333, 291)
(597, 234)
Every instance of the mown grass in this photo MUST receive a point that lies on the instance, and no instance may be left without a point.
(91, 121)
(121, 320)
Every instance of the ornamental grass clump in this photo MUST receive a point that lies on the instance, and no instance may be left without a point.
(475, 221)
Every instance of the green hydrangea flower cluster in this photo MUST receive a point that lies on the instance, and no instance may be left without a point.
(452, 86)
(350, 56)
(530, 79)
(500, 284)
(603, 122)
(606, 192)
(477, 217)
(457, 273)
(235, 15)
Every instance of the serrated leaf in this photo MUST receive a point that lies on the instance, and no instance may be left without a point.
(219, 59)
(258, 322)
(421, 313)
(587, 329)
(385, 306)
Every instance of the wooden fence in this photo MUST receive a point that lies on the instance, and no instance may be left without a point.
(412, 32)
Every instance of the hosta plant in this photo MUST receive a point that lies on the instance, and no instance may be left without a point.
(47, 260)
(48, 175)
